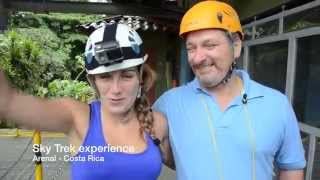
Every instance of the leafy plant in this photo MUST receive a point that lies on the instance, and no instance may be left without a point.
(20, 59)
(70, 88)
(42, 54)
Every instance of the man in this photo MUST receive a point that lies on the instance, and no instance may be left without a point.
(223, 125)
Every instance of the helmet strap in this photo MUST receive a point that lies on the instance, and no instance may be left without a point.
(90, 79)
(227, 77)
(139, 92)
(140, 71)
(233, 64)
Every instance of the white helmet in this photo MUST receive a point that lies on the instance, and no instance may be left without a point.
(113, 47)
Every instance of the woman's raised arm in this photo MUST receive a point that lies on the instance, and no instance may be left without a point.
(35, 112)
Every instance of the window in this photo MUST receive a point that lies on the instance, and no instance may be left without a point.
(247, 33)
(301, 20)
(239, 61)
(270, 28)
(268, 64)
(307, 83)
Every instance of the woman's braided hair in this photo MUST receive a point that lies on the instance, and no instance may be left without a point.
(142, 105)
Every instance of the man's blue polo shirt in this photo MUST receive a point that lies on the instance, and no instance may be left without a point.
(274, 123)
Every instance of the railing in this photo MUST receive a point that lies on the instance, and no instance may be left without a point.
(28, 133)
(313, 133)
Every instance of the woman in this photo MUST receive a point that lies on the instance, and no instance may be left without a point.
(117, 137)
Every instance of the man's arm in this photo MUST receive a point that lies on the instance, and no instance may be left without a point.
(290, 159)
(291, 175)
(161, 131)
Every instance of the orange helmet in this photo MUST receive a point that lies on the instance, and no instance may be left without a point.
(210, 14)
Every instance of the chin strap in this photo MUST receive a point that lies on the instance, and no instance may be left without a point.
(233, 65)
(228, 75)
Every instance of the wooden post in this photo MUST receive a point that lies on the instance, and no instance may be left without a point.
(3, 17)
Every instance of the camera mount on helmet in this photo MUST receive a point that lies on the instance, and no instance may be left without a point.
(108, 52)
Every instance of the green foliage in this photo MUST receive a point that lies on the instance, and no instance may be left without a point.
(53, 39)
(46, 38)
(72, 19)
(42, 54)
(59, 37)
(25, 20)
(71, 88)
(57, 45)
(28, 19)
(20, 58)
(53, 52)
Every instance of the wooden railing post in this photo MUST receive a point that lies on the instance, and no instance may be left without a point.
(3, 17)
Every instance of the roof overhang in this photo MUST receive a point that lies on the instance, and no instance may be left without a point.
(114, 8)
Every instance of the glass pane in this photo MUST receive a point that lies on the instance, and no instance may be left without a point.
(247, 33)
(267, 29)
(268, 64)
(239, 61)
(307, 83)
(304, 19)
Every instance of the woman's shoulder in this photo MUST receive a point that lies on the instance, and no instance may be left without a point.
(81, 118)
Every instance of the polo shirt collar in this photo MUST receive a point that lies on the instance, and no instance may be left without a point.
(250, 88)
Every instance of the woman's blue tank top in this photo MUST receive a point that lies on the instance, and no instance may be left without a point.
(111, 165)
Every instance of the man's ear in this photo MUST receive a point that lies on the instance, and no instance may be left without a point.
(237, 45)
